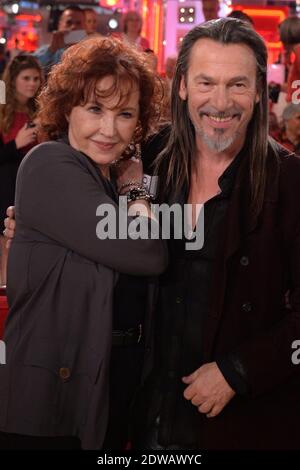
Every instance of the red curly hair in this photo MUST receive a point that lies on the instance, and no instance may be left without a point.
(74, 79)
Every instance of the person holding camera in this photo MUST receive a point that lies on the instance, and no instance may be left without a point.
(71, 19)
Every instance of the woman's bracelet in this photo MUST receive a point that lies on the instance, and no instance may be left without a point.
(128, 184)
(139, 193)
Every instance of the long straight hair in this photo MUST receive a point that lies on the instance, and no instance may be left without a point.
(176, 160)
(14, 68)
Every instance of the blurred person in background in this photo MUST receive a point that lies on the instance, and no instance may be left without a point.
(71, 19)
(210, 9)
(91, 20)
(132, 27)
(240, 15)
(289, 31)
(274, 129)
(289, 136)
(170, 67)
(151, 59)
(23, 78)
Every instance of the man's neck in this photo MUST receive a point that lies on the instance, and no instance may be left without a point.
(207, 158)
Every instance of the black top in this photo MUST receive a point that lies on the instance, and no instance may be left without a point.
(185, 300)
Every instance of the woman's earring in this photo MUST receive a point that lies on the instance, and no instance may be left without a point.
(137, 154)
(132, 150)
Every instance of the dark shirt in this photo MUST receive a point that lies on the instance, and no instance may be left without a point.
(185, 301)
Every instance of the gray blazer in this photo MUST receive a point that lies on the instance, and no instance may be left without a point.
(60, 290)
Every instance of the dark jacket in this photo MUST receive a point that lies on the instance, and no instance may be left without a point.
(258, 269)
(60, 289)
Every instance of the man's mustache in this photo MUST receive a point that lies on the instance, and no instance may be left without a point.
(210, 111)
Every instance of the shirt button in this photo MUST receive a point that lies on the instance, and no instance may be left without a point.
(178, 300)
(247, 307)
(64, 373)
(244, 260)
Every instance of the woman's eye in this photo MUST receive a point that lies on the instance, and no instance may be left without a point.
(95, 109)
(126, 114)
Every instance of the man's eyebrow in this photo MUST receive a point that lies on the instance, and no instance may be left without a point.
(202, 76)
(239, 78)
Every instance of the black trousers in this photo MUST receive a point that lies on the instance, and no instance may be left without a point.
(126, 366)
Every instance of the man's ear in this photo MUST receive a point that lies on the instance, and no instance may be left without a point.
(257, 98)
(67, 118)
(182, 89)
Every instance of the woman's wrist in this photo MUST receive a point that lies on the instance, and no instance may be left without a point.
(125, 187)
(136, 193)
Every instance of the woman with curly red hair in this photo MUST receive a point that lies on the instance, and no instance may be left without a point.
(80, 305)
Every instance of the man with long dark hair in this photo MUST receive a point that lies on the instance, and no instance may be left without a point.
(224, 376)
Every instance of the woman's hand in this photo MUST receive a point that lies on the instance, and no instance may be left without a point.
(25, 136)
(129, 171)
(10, 225)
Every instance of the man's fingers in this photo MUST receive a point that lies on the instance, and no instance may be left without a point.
(10, 211)
(196, 400)
(190, 392)
(215, 411)
(205, 407)
(8, 233)
(188, 379)
(9, 225)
